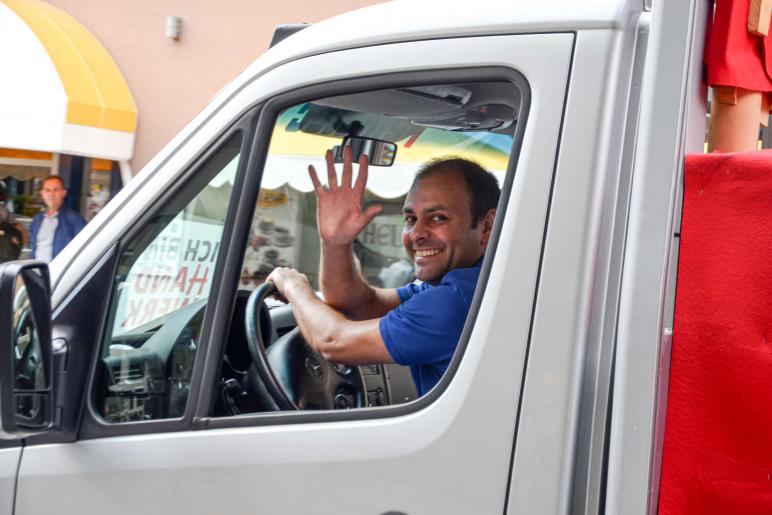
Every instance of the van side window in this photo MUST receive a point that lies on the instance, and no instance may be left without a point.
(160, 296)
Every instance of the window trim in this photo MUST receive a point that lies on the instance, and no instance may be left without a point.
(92, 424)
(226, 295)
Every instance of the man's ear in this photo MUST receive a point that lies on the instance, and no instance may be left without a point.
(487, 227)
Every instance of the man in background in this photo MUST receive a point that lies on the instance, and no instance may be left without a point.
(55, 227)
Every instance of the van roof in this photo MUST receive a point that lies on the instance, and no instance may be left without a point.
(408, 20)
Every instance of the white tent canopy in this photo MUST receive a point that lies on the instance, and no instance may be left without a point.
(292, 170)
(385, 182)
(61, 91)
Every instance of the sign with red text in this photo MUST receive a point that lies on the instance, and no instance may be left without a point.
(384, 236)
(175, 270)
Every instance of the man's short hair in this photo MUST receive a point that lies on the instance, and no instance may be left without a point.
(482, 185)
(54, 178)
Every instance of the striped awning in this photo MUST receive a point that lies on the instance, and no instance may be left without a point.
(60, 89)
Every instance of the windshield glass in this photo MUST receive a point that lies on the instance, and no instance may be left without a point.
(284, 229)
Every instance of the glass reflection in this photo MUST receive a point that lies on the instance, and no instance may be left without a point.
(29, 374)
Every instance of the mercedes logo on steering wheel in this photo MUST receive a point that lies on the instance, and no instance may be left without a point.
(314, 367)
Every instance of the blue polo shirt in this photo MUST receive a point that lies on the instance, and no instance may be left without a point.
(423, 331)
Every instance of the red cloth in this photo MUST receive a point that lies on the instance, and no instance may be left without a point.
(734, 56)
(718, 433)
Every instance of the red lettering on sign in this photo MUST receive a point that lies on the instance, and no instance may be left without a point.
(198, 279)
(160, 282)
(134, 308)
(142, 282)
(181, 279)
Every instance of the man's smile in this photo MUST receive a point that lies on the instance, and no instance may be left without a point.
(427, 252)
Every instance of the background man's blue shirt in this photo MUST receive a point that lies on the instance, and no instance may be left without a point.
(424, 329)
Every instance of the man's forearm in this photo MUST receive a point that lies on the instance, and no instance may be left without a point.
(316, 319)
(341, 283)
(334, 336)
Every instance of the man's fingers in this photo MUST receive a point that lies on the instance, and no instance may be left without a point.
(281, 298)
(315, 180)
(332, 179)
(345, 181)
(362, 175)
(275, 278)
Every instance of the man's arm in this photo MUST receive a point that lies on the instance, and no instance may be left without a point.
(15, 223)
(341, 219)
(345, 289)
(33, 235)
(24, 233)
(336, 338)
(78, 223)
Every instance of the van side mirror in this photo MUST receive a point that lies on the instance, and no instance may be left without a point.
(26, 357)
(378, 151)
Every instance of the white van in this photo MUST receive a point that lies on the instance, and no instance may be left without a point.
(136, 388)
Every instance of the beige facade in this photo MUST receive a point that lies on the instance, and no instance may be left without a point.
(171, 80)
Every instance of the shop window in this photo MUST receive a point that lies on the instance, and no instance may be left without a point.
(101, 182)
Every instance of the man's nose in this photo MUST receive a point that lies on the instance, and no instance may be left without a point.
(420, 232)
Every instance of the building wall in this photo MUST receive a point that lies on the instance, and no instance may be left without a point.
(172, 80)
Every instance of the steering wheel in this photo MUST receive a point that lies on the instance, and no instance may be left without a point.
(295, 375)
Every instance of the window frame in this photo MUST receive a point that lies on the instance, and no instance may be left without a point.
(93, 425)
(226, 294)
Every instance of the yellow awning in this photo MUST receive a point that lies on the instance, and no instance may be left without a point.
(61, 90)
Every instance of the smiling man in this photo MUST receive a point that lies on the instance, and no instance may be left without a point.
(449, 213)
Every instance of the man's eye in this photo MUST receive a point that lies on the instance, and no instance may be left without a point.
(439, 218)
(409, 220)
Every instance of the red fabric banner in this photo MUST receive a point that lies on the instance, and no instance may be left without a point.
(718, 434)
(735, 57)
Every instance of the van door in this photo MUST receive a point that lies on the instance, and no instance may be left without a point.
(9, 464)
(447, 452)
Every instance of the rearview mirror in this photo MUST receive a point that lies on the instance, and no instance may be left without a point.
(378, 151)
(26, 358)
